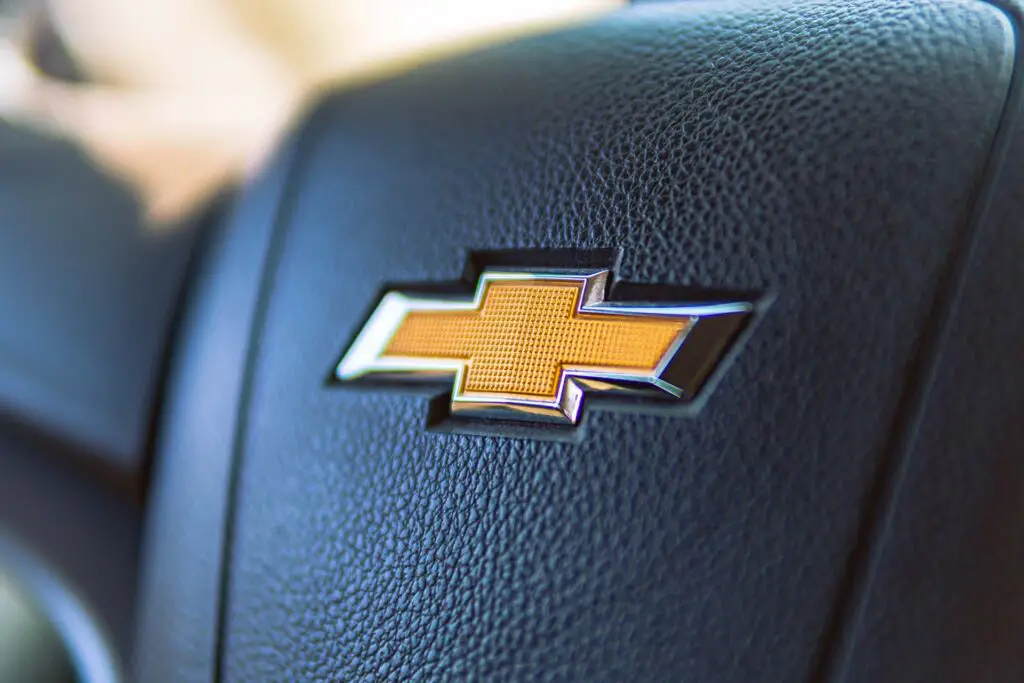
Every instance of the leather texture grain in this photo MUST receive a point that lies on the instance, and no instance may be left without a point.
(942, 596)
(828, 155)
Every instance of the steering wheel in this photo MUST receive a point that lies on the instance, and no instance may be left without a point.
(683, 345)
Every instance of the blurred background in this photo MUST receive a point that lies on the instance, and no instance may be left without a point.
(178, 96)
(128, 117)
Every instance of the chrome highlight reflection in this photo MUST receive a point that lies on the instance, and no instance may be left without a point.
(515, 327)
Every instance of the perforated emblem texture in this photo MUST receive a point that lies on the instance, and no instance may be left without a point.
(525, 332)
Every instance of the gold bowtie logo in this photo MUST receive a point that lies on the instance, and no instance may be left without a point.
(530, 345)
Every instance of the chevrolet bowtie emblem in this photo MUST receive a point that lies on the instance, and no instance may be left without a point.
(529, 345)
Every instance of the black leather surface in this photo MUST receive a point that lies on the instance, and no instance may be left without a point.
(943, 592)
(180, 594)
(828, 154)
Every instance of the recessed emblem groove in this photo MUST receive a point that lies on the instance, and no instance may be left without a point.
(531, 345)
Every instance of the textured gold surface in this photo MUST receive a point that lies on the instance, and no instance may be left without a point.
(525, 332)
